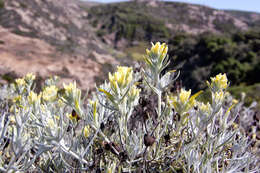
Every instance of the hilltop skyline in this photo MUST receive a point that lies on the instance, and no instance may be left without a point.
(250, 5)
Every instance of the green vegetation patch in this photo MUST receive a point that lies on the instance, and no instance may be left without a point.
(252, 93)
(2, 4)
(206, 55)
(130, 21)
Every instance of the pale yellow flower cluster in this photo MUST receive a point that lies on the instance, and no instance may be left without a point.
(158, 49)
(183, 101)
(50, 93)
(33, 97)
(220, 81)
(29, 77)
(219, 96)
(73, 95)
(17, 99)
(184, 96)
(121, 78)
(155, 57)
(87, 131)
(134, 92)
(69, 88)
(20, 82)
(205, 108)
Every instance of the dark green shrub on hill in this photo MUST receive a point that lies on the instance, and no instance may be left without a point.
(205, 55)
(130, 21)
(2, 4)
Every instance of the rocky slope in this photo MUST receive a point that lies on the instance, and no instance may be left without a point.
(157, 20)
(51, 38)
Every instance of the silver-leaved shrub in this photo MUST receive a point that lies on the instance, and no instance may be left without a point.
(59, 130)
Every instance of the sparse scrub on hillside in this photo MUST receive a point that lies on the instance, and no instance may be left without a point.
(131, 123)
(140, 21)
(128, 21)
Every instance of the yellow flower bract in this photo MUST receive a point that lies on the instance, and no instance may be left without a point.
(219, 96)
(50, 93)
(122, 77)
(134, 92)
(70, 87)
(33, 97)
(184, 96)
(205, 108)
(20, 82)
(87, 131)
(158, 49)
(183, 101)
(29, 77)
(17, 99)
(220, 81)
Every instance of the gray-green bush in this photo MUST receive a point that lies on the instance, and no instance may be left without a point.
(58, 130)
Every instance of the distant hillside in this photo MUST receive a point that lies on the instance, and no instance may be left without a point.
(125, 22)
(82, 41)
(52, 37)
(251, 18)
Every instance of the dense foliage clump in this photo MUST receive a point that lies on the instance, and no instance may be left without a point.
(206, 55)
(2, 4)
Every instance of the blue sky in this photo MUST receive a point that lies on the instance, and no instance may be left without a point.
(245, 5)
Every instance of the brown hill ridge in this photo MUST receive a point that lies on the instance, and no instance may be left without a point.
(138, 20)
(50, 37)
(24, 54)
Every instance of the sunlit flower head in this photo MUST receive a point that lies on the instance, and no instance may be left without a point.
(17, 99)
(70, 87)
(219, 96)
(87, 131)
(122, 77)
(20, 82)
(29, 77)
(183, 101)
(33, 97)
(134, 92)
(204, 108)
(219, 82)
(184, 96)
(156, 55)
(50, 93)
(158, 49)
